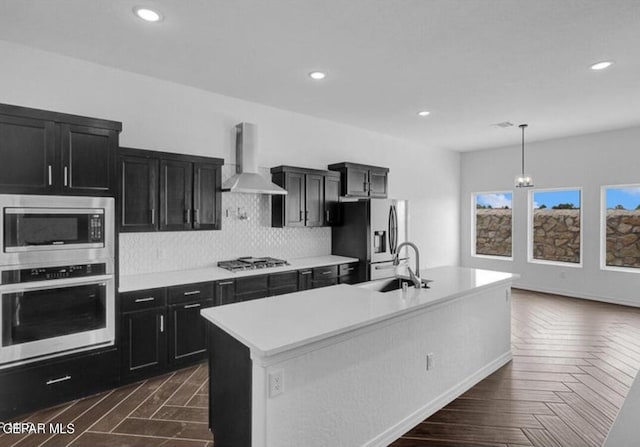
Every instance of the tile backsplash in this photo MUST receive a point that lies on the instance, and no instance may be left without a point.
(253, 236)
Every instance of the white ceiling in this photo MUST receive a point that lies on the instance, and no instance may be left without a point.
(472, 63)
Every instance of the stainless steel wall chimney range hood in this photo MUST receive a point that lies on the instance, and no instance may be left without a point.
(247, 179)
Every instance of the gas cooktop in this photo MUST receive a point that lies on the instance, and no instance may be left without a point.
(250, 263)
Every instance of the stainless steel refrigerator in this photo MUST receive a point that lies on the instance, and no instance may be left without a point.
(371, 231)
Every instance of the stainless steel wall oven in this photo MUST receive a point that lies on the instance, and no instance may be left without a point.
(57, 287)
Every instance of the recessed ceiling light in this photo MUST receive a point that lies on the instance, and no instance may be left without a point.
(147, 14)
(601, 65)
(424, 113)
(317, 75)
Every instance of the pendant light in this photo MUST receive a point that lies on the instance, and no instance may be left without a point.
(523, 180)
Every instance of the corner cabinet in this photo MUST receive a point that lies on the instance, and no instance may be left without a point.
(311, 200)
(362, 180)
(54, 153)
(161, 191)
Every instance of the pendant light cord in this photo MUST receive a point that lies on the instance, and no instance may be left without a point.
(523, 126)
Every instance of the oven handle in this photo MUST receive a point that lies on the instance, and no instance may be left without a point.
(54, 283)
(40, 210)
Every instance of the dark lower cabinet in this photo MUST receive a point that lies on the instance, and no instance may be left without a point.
(189, 332)
(225, 292)
(144, 342)
(47, 383)
(281, 283)
(304, 279)
(324, 276)
(350, 273)
(251, 288)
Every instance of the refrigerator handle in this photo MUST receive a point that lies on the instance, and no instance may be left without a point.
(393, 229)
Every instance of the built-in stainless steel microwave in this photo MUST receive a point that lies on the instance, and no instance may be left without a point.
(38, 229)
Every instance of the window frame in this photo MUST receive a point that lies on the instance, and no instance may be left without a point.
(473, 226)
(603, 231)
(530, 258)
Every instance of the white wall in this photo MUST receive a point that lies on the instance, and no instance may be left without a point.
(587, 161)
(162, 115)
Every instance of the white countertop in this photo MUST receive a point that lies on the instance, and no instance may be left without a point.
(277, 324)
(143, 281)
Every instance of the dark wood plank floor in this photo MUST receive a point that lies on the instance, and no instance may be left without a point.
(573, 363)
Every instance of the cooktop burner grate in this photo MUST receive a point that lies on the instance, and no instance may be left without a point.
(251, 263)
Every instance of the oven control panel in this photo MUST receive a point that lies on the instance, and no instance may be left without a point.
(49, 273)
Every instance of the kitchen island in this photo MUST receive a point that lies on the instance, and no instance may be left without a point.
(349, 366)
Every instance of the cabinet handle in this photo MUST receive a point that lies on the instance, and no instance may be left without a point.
(191, 306)
(143, 300)
(328, 272)
(306, 273)
(326, 216)
(226, 283)
(153, 216)
(196, 216)
(187, 216)
(49, 175)
(61, 379)
(349, 269)
(194, 292)
(66, 176)
(161, 323)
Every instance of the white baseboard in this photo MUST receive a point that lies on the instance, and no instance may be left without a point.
(572, 294)
(399, 429)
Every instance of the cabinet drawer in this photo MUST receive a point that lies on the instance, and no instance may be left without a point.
(142, 299)
(51, 383)
(282, 290)
(327, 272)
(284, 279)
(316, 283)
(348, 269)
(190, 292)
(252, 285)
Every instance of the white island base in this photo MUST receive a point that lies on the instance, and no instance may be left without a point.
(347, 366)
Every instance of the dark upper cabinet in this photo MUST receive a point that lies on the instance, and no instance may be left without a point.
(138, 193)
(206, 196)
(168, 192)
(332, 215)
(88, 159)
(52, 153)
(362, 180)
(305, 204)
(176, 192)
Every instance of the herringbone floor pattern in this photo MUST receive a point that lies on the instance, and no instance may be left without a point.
(574, 362)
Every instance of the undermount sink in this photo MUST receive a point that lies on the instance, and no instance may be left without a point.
(389, 284)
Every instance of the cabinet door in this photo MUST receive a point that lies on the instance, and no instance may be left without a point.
(331, 201)
(314, 200)
(304, 279)
(88, 159)
(176, 185)
(144, 347)
(294, 200)
(27, 155)
(378, 183)
(357, 182)
(206, 196)
(138, 193)
(188, 332)
(225, 292)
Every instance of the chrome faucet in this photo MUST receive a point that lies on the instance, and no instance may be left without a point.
(415, 277)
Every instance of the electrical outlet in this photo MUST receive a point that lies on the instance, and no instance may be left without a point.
(430, 361)
(276, 383)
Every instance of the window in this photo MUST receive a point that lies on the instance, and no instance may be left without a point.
(555, 231)
(492, 229)
(622, 226)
